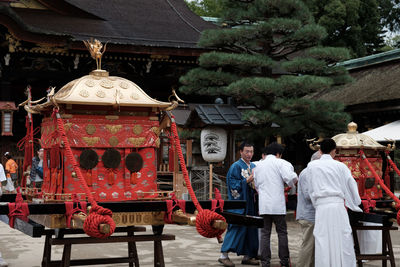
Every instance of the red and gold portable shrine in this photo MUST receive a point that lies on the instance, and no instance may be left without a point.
(112, 127)
(349, 146)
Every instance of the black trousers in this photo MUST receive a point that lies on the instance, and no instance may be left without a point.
(281, 229)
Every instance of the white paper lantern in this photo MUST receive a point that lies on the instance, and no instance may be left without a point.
(213, 144)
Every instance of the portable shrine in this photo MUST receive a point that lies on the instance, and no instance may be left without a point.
(100, 136)
(364, 157)
(348, 149)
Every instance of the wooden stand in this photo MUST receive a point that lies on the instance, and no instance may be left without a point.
(130, 238)
(387, 249)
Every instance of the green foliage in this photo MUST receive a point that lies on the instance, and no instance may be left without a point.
(270, 57)
(206, 8)
(357, 24)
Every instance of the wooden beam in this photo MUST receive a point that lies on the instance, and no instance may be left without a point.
(128, 206)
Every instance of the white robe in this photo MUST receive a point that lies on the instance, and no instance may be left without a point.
(270, 177)
(2, 178)
(332, 187)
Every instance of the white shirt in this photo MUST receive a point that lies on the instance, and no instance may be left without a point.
(331, 178)
(2, 174)
(305, 209)
(270, 176)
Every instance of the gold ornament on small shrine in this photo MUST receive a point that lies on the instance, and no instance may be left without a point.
(90, 129)
(136, 141)
(114, 128)
(137, 129)
(95, 47)
(90, 141)
(113, 141)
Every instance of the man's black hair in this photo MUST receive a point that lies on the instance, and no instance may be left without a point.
(274, 149)
(264, 151)
(327, 145)
(244, 144)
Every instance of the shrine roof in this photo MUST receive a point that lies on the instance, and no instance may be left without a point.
(217, 114)
(98, 88)
(7, 105)
(159, 23)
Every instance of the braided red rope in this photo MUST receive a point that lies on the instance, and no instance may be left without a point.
(382, 184)
(97, 215)
(18, 209)
(205, 218)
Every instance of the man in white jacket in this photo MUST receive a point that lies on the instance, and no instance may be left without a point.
(332, 189)
(270, 177)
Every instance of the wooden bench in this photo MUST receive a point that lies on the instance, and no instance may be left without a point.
(56, 237)
(387, 249)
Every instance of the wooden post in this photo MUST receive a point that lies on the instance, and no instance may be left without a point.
(211, 180)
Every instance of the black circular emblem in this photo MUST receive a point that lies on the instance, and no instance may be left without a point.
(134, 162)
(111, 158)
(88, 159)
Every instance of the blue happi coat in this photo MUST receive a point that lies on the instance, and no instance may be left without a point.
(241, 239)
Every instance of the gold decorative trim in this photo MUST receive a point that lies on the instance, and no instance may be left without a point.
(153, 118)
(137, 129)
(134, 96)
(90, 83)
(158, 142)
(84, 93)
(120, 218)
(114, 128)
(67, 126)
(112, 117)
(155, 130)
(124, 85)
(107, 84)
(90, 129)
(101, 94)
(113, 141)
(67, 116)
(136, 141)
(90, 141)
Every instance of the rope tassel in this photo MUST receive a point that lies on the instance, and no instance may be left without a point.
(110, 177)
(89, 178)
(134, 178)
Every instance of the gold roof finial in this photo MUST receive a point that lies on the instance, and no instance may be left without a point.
(94, 47)
(352, 127)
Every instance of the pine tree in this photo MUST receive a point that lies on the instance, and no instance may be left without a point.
(357, 25)
(268, 58)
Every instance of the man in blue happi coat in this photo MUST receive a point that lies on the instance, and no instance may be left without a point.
(241, 239)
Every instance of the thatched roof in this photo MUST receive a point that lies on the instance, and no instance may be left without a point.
(375, 77)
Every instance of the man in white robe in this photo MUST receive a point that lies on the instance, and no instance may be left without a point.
(332, 189)
(305, 215)
(270, 177)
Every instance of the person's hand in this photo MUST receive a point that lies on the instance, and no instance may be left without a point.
(250, 178)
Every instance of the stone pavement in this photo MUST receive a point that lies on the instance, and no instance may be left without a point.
(189, 249)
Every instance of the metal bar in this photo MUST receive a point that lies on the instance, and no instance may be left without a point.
(235, 218)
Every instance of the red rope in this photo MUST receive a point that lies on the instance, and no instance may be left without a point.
(382, 184)
(18, 209)
(205, 218)
(97, 215)
(367, 204)
(70, 210)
